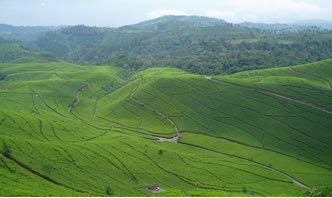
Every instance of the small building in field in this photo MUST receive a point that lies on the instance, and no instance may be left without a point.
(153, 187)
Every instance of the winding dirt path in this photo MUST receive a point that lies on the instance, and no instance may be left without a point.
(177, 138)
(294, 181)
(42, 101)
(78, 98)
(280, 95)
(39, 174)
(255, 147)
(178, 133)
(162, 139)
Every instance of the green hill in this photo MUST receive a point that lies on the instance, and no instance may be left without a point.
(16, 53)
(170, 22)
(72, 130)
(24, 34)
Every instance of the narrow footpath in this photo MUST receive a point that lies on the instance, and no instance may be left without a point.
(178, 133)
(280, 95)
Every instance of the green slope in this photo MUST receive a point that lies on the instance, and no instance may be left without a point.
(11, 51)
(69, 130)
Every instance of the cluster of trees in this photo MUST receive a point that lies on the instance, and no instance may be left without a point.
(206, 49)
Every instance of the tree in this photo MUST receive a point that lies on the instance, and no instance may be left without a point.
(244, 189)
(6, 150)
(108, 190)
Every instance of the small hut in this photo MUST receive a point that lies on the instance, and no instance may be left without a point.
(153, 187)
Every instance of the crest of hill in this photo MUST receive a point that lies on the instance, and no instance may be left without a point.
(325, 24)
(167, 22)
(23, 33)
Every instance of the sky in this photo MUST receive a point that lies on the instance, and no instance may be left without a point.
(115, 13)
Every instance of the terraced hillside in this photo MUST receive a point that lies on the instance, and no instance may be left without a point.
(69, 130)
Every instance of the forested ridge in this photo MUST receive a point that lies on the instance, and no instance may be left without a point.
(195, 44)
(198, 45)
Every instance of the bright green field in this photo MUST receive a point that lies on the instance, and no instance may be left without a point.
(70, 130)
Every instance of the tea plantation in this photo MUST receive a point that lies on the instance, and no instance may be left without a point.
(72, 130)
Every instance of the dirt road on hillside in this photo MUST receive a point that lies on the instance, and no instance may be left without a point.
(78, 98)
(178, 133)
(42, 101)
(294, 181)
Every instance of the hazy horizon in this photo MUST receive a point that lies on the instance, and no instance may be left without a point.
(114, 13)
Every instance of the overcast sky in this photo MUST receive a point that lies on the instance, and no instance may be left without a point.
(122, 12)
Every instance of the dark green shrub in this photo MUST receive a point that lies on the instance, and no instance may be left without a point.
(244, 189)
(6, 150)
(108, 190)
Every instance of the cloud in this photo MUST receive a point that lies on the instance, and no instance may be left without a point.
(42, 4)
(220, 14)
(269, 11)
(231, 16)
(159, 13)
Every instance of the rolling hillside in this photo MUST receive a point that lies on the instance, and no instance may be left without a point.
(72, 130)
(16, 53)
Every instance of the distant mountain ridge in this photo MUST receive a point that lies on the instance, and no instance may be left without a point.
(170, 21)
(23, 33)
(196, 44)
(12, 28)
(162, 23)
(325, 24)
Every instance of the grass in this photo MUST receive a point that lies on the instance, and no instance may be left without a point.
(70, 130)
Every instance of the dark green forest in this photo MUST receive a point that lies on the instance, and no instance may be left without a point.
(195, 44)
